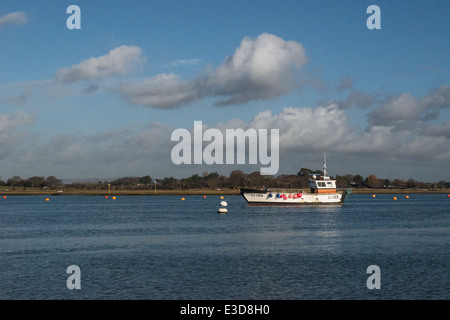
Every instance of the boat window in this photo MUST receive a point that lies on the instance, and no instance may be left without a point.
(329, 183)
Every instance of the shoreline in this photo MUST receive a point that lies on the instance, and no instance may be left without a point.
(203, 192)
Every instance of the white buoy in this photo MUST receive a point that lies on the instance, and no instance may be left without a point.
(222, 210)
(223, 204)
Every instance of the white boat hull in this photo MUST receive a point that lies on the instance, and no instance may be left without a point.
(258, 197)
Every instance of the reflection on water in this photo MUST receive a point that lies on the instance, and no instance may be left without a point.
(164, 248)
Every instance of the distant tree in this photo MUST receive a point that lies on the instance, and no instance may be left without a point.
(398, 183)
(193, 182)
(372, 181)
(237, 179)
(35, 182)
(52, 182)
(358, 180)
(411, 183)
(255, 179)
(342, 181)
(169, 183)
(289, 181)
(125, 181)
(15, 181)
(304, 172)
(145, 180)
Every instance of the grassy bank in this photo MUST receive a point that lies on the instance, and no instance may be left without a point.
(120, 192)
(399, 191)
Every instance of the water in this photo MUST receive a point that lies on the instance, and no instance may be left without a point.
(162, 248)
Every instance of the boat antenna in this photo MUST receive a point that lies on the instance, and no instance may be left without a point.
(325, 163)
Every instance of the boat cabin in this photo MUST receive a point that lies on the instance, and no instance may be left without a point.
(322, 184)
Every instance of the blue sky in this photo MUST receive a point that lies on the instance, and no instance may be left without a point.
(101, 102)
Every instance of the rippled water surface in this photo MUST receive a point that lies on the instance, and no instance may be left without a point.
(153, 247)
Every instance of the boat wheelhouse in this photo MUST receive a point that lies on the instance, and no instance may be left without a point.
(323, 190)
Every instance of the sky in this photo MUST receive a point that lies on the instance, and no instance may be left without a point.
(102, 101)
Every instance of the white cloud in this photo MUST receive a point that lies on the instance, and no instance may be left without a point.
(261, 68)
(115, 153)
(304, 133)
(11, 135)
(438, 130)
(10, 122)
(405, 111)
(14, 18)
(308, 131)
(119, 61)
(162, 91)
(183, 63)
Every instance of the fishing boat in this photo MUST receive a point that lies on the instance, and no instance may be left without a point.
(322, 190)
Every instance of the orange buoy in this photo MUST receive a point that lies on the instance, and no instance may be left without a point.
(204, 197)
(106, 197)
(395, 198)
(47, 199)
(183, 199)
(373, 196)
(407, 197)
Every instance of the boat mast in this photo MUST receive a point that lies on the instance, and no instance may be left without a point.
(325, 164)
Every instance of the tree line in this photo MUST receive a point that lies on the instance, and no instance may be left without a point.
(237, 179)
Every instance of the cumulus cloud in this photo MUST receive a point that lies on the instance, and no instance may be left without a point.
(308, 131)
(11, 135)
(119, 61)
(262, 68)
(406, 111)
(10, 122)
(345, 83)
(304, 132)
(16, 100)
(357, 98)
(162, 91)
(14, 18)
(438, 130)
(115, 153)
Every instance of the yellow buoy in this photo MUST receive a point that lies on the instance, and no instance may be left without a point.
(407, 197)
(373, 196)
(395, 198)
(114, 198)
(221, 197)
(183, 199)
